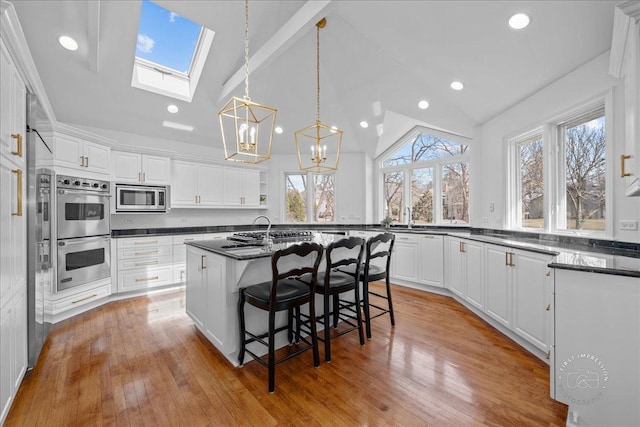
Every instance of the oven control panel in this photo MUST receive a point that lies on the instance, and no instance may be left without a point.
(76, 183)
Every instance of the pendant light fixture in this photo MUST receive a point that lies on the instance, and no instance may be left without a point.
(247, 127)
(318, 145)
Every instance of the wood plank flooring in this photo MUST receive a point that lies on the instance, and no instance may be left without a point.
(141, 362)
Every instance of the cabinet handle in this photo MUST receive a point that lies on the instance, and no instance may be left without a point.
(623, 172)
(140, 264)
(403, 238)
(548, 273)
(202, 258)
(462, 247)
(506, 258)
(144, 177)
(18, 151)
(187, 240)
(549, 354)
(428, 237)
(146, 279)
(145, 242)
(83, 299)
(18, 172)
(511, 263)
(86, 162)
(81, 160)
(548, 307)
(139, 177)
(155, 251)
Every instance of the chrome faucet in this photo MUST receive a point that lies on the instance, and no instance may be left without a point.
(409, 217)
(267, 239)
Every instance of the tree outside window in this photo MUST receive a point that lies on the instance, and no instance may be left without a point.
(532, 182)
(318, 204)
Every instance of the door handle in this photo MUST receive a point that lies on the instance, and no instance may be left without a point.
(623, 172)
(18, 172)
(18, 151)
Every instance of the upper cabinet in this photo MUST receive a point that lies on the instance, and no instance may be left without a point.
(241, 187)
(75, 153)
(12, 110)
(625, 64)
(140, 168)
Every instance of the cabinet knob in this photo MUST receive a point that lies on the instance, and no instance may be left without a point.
(548, 307)
(549, 354)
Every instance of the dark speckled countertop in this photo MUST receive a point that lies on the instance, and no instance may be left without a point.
(569, 252)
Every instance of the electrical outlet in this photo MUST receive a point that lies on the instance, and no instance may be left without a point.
(629, 225)
(128, 221)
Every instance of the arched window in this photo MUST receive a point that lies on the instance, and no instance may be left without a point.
(426, 173)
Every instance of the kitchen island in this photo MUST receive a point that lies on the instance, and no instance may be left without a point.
(216, 271)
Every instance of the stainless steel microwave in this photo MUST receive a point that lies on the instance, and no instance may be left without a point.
(141, 198)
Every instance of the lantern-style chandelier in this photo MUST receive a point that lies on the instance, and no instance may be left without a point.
(318, 145)
(247, 127)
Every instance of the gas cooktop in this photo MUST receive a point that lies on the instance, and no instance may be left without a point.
(276, 235)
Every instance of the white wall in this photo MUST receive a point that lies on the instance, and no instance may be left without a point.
(575, 88)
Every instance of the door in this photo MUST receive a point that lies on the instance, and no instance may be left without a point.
(404, 262)
(68, 152)
(82, 213)
(474, 292)
(210, 185)
(430, 251)
(126, 167)
(232, 186)
(184, 184)
(456, 267)
(196, 276)
(97, 157)
(83, 260)
(529, 297)
(155, 170)
(250, 187)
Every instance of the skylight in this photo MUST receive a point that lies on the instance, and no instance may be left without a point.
(170, 52)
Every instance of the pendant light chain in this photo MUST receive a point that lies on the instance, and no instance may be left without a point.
(246, 49)
(318, 71)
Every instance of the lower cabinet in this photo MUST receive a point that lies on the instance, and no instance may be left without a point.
(206, 296)
(13, 351)
(404, 258)
(430, 260)
(144, 262)
(465, 270)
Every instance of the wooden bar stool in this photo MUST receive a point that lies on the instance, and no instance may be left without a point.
(376, 267)
(345, 253)
(283, 292)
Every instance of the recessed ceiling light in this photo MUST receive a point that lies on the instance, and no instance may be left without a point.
(423, 104)
(334, 129)
(456, 85)
(178, 126)
(519, 21)
(68, 43)
(278, 129)
(172, 109)
(364, 124)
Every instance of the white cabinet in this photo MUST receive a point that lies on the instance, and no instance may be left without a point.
(625, 63)
(12, 110)
(430, 260)
(144, 262)
(13, 351)
(140, 168)
(241, 187)
(465, 268)
(404, 258)
(75, 153)
(207, 299)
(196, 185)
(517, 289)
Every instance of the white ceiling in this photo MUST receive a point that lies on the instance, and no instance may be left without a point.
(376, 57)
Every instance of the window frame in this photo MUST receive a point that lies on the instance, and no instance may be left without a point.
(309, 200)
(554, 171)
(435, 164)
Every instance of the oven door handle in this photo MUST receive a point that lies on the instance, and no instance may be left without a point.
(84, 193)
(82, 240)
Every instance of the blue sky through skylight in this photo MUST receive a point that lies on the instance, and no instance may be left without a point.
(166, 38)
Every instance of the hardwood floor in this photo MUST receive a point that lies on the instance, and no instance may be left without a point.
(142, 362)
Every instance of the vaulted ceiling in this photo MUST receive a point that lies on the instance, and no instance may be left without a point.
(378, 58)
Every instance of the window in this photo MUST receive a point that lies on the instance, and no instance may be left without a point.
(422, 168)
(317, 204)
(170, 52)
(573, 180)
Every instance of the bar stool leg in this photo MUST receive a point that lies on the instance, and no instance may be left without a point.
(241, 301)
(327, 327)
(272, 351)
(393, 320)
(365, 299)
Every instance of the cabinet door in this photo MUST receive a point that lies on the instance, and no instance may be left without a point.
(215, 297)
(474, 292)
(184, 184)
(156, 170)
(232, 186)
(195, 297)
(251, 187)
(97, 157)
(19, 119)
(430, 251)
(7, 189)
(210, 185)
(6, 102)
(498, 302)
(456, 266)
(19, 326)
(529, 297)
(126, 167)
(68, 151)
(404, 259)
(6, 360)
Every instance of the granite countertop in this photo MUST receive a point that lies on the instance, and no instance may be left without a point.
(569, 252)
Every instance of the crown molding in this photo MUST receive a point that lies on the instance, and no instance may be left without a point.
(626, 17)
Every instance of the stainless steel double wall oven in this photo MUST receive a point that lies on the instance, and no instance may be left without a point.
(83, 212)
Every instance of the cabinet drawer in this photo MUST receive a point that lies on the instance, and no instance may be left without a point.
(148, 252)
(79, 299)
(136, 242)
(128, 264)
(142, 278)
(216, 236)
(406, 238)
(185, 238)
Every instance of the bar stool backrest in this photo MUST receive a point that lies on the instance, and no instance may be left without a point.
(345, 252)
(379, 249)
(295, 261)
